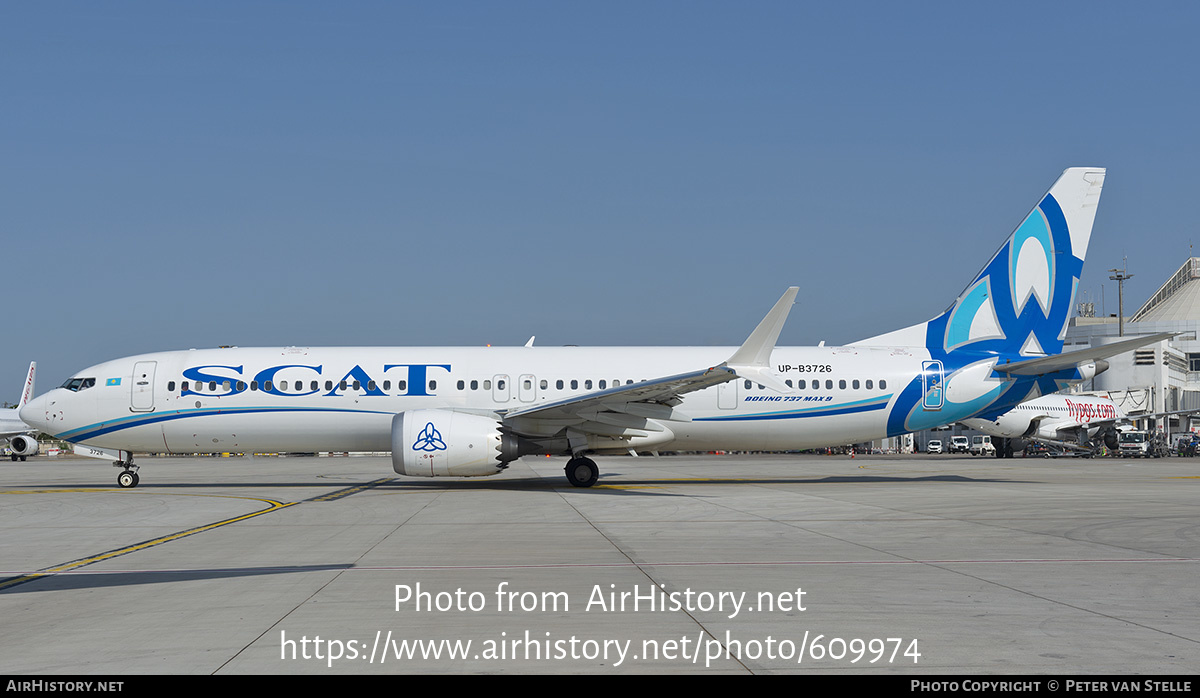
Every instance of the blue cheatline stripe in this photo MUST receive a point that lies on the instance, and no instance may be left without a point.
(99, 429)
(847, 408)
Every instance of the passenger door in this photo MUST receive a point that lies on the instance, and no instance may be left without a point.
(141, 395)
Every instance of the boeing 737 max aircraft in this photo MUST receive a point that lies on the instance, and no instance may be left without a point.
(471, 411)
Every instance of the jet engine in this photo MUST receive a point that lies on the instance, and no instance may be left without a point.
(1112, 437)
(437, 443)
(23, 446)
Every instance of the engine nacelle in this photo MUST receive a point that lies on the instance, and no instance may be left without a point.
(23, 445)
(439, 443)
(1091, 369)
(1112, 438)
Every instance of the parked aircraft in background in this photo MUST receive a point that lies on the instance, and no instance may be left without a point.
(471, 411)
(19, 435)
(1072, 422)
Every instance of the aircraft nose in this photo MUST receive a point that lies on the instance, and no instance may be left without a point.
(34, 412)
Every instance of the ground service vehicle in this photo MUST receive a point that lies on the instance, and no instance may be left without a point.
(981, 445)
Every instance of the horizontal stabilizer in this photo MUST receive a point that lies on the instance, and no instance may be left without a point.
(1071, 359)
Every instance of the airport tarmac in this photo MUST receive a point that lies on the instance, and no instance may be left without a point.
(732, 563)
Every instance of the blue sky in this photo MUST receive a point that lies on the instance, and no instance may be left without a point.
(188, 175)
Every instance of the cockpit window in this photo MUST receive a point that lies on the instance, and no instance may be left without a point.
(77, 384)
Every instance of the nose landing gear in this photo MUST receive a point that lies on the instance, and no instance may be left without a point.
(128, 477)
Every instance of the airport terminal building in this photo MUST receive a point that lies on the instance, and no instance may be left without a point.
(1161, 377)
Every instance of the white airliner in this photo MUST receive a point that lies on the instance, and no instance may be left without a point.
(471, 411)
(18, 434)
(1067, 421)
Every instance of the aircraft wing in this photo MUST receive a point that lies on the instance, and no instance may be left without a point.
(6, 431)
(1072, 359)
(615, 410)
(629, 410)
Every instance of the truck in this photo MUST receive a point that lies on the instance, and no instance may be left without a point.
(960, 444)
(1141, 444)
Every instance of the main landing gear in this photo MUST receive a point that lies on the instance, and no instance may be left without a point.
(582, 472)
(1004, 449)
(128, 477)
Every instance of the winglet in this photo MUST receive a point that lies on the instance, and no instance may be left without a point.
(752, 359)
(27, 391)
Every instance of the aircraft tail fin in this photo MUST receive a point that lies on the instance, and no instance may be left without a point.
(1022, 299)
(27, 390)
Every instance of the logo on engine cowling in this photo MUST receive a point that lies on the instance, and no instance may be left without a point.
(430, 439)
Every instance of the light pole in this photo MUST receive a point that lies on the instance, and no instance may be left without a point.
(1120, 275)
